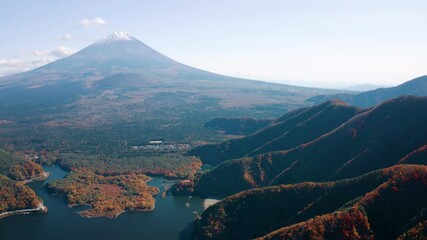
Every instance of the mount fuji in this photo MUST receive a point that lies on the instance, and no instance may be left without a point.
(120, 52)
(119, 82)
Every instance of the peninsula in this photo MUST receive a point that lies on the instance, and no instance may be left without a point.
(108, 196)
(16, 198)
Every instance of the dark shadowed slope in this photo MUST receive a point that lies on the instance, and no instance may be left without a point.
(418, 156)
(379, 205)
(290, 130)
(235, 148)
(419, 232)
(415, 87)
(332, 116)
(372, 140)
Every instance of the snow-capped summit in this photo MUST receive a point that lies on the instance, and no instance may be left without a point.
(115, 37)
(118, 52)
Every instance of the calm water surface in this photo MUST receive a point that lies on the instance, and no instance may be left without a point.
(171, 219)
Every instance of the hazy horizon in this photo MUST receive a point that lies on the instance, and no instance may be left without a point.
(329, 45)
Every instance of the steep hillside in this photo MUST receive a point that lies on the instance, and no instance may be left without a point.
(18, 168)
(292, 129)
(237, 126)
(416, 233)
(16, 196)
(216, 153)
(316, 125)
(343, 225)
(415, 87)
(383, 204)
(418, 156)
(372, 140)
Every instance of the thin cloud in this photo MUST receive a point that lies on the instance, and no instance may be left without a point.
(32, 59)
(65, 37)
(95, 22)
(9, 66)
(10, 62)
(58, 52)
(62, 52)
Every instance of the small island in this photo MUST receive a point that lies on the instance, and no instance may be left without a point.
(107, 195)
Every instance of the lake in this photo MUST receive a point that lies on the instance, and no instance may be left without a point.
(171, 218)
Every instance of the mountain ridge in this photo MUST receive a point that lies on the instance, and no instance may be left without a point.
(370, 140)
(414, 87)
(383, 204)
(316, 119)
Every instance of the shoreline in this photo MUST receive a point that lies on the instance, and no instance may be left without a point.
(40, 209)
(83, 213)
(112, 217)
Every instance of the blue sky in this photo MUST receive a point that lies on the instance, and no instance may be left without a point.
(329, 43)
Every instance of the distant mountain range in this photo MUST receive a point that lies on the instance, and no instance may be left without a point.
(415, 87)
(363, 87)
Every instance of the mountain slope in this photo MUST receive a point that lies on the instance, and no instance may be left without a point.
(383, 204)
(415, 87)
(318, 124)
(372, 140)
(119, 92)
(16, 196)
(418, 156)
(288, 131)
(17, 168)
(117, 53)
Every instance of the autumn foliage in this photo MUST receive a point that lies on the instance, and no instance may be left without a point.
(383, 204)
(377, 138)
(16, 196)
(108, 196)
(18, 168)
(290, 130)
(25, 171)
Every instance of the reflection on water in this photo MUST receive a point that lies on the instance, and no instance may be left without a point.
(171, 219)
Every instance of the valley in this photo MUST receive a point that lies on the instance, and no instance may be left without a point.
(92, 114)
(135, 141)
(88, 110)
